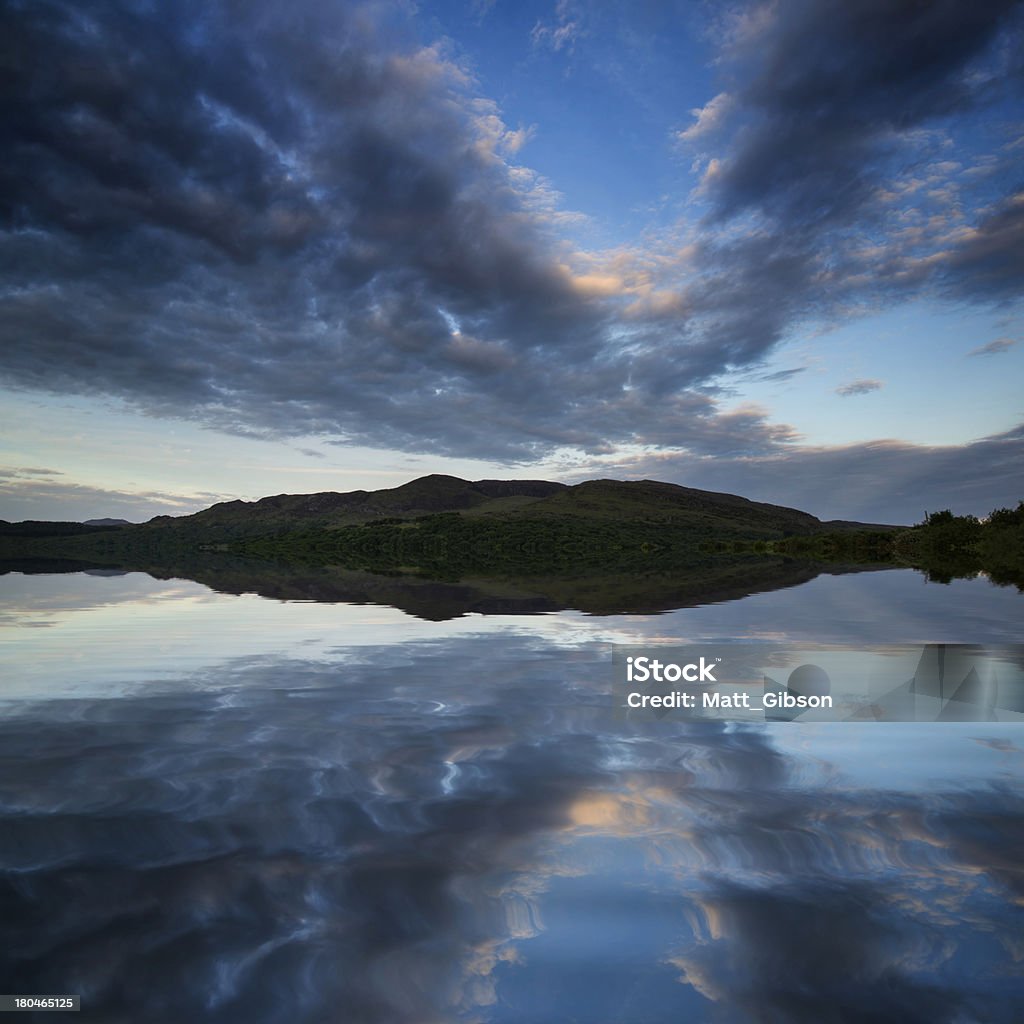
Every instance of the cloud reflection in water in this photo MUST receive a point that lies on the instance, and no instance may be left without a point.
(459, 830)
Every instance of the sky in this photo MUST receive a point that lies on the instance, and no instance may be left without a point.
(248, 248)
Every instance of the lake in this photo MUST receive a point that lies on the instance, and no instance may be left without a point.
(228, 808)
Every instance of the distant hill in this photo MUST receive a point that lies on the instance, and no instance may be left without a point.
(598, 544)
(107, 522)
(446, 526)
(427, 495)
(43, 528)
(605, 500)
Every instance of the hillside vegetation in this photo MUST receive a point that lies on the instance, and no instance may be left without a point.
(946, 546)
(448, 528)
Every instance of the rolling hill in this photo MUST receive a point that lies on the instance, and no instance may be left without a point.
(448, 528)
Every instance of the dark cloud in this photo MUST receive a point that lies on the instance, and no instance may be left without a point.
(298, 221)
(879, 481)
(29, 494)
(827, 176)
(863, 386)
(258, 215)
(292, 220)
(989, 260)
(826, 92)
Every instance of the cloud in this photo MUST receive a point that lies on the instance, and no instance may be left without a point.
(814, 99)
(708, 119)
(28, 471)
(863, 386)
(877, 481)
(266, 219)
(31, 494)
(268, 226)
(563, 32)
(986, 260)
(838, 197)
(993, 347)
(481, 8)
(779, 376)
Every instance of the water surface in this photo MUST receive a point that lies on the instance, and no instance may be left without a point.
(222, 808)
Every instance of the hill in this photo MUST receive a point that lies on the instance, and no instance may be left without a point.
(447, 527)
(286, 512)
(502, 499)
(612, 533)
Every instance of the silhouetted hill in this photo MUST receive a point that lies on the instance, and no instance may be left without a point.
(652, 500)
(644, 500)
(444, 526)
(841, 525)
(283, 512)
(43, 528)
(530, 544)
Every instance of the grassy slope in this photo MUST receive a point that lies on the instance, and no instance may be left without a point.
(601, 524)
(595, 513)
(602, 545)
(596, 499)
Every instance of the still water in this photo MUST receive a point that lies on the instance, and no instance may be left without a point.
(220, 808)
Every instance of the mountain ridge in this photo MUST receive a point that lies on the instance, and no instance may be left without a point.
(605, 499)
(441, 493)
(450, 529)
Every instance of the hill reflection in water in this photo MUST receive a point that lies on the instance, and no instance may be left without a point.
(706, 580)
(227, 809)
